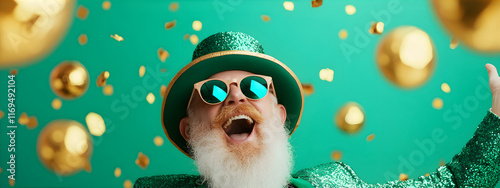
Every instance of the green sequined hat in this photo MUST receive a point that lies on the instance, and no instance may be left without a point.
(222, 52)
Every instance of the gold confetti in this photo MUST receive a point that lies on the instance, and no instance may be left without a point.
(326, 74)
(170, 25)
(142, 160)
(117, 37)
(163, 70)
(23, 119)
(95, 123)
(0, 170)
(350, 10)
(350, 117)
(376, 28)
(266, 18)
(194, 39)
(82, 39)
(150, 98)
(454, 43)
(163, 90)
(32, 122)
(56, 104)
(127, 184)
(82, 12)
(186, 36)
(370, 137)
(288, 5)
(441, 162)
(106, 5)
(336, 155)
(316, 3)
(427, 174)
(197, 25)
(1, 113)
(12, 182)
(173, 6)
(102, 78)
(118, 172)
(445, 87)
(403, 177)
(13, 72)
(343, 34)
(163, 54)
(158, 141)
(107, 90)
(142, 70)
(308, 89)
(437, 103)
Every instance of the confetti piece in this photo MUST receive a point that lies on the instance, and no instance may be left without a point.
(32, 123)
(95, 123)
(316, 3)
(403, 177)
(82, 39)
(376, 28)
(308, 89)
(106, 5)
(118, 172)
(1, 113)
(170, 25)
(142, 160)
(102, 78)
(107, 90)
(437, 103)
(56, 104)
(350, 10)
(163, 70)
(174, 6)
(13, 72)
(288, 5)
(158, 141)
(142, 70)
(266, 18)
(117, 37)
(82, 12)
(186, 36)
(197, 25)
(163, 54)
(427, 174)
(23, 119)
(326, 74)
(163, 90)
(127, 184)
(194, 39)
(343, 34)
(12, 182)
(0, 170)
(370, 137)
(150, 98)
(441, 162)
(454, 43)
(336, 155)
(445, 87)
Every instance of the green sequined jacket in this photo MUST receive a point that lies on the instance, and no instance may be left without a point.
(477, 165)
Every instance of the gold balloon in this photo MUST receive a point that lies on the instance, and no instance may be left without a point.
(69, 79)
(350, 118)
(65, 147)
(406, 56)
(30, 29)
(474, 22)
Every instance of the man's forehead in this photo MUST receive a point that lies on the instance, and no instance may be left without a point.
(231, 74)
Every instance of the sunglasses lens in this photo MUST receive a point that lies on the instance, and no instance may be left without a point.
(213, 91)
(254, 87)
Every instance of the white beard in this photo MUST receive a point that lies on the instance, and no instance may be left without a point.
(269, 167)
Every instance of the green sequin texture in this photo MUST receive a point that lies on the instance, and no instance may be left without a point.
(224, 41)
(477, 165)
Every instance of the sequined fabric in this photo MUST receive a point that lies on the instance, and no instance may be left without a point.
(224, 41)
(477, 165)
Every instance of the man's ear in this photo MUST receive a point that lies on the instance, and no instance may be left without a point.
(282, 112)
(184, 128)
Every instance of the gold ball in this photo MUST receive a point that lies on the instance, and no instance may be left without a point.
(475, 23)
(31, 29)
(406, 56)
(65, 147)
(69, 79)
(350, 117)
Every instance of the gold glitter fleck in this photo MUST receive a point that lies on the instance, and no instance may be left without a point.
(316, 3)
(13, 72)
(95, 123)
(142, 70)
(12, 182)
(427, 174)
(82, 12)
(107, 90)
(118, 172)
(102, 78)
(163, 54)
(308, 89)
(454, 43)
(106, 5)
(266, 18)
(163, 89)
(326, 74)
(82, 39)
(174, 6)
(403, 177)
(170, 25)
(441, 162)
(1, 113)
(197, 25)
(288, 5)
(23, 119)
(163, 70)
(350, 9)
(142, 160)
(186, 36)
(445, 87)
(117, 37)
(336, 155)
(437, 103)
(127, 184)
(194, 39)
(158, 141)
(376, 28)
(150, 98)
(343, 34)
(32, 122)
(0, 170)
(56, 104)
(370, 137)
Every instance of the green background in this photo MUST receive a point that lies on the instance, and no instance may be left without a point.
(305, 39)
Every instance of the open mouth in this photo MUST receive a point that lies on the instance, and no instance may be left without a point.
(239, 127)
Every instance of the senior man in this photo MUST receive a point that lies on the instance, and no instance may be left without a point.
(233, 108)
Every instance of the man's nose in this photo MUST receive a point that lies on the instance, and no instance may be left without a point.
(235, 96)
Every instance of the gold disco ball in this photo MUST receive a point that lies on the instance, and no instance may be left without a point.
(474, 22)
(65, 147)
(350, 118)
(406, 56)
(69, 79)
(30, 29)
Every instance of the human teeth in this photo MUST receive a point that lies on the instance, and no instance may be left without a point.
(249, 120)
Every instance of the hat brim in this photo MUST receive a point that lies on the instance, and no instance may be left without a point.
(286, 84)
